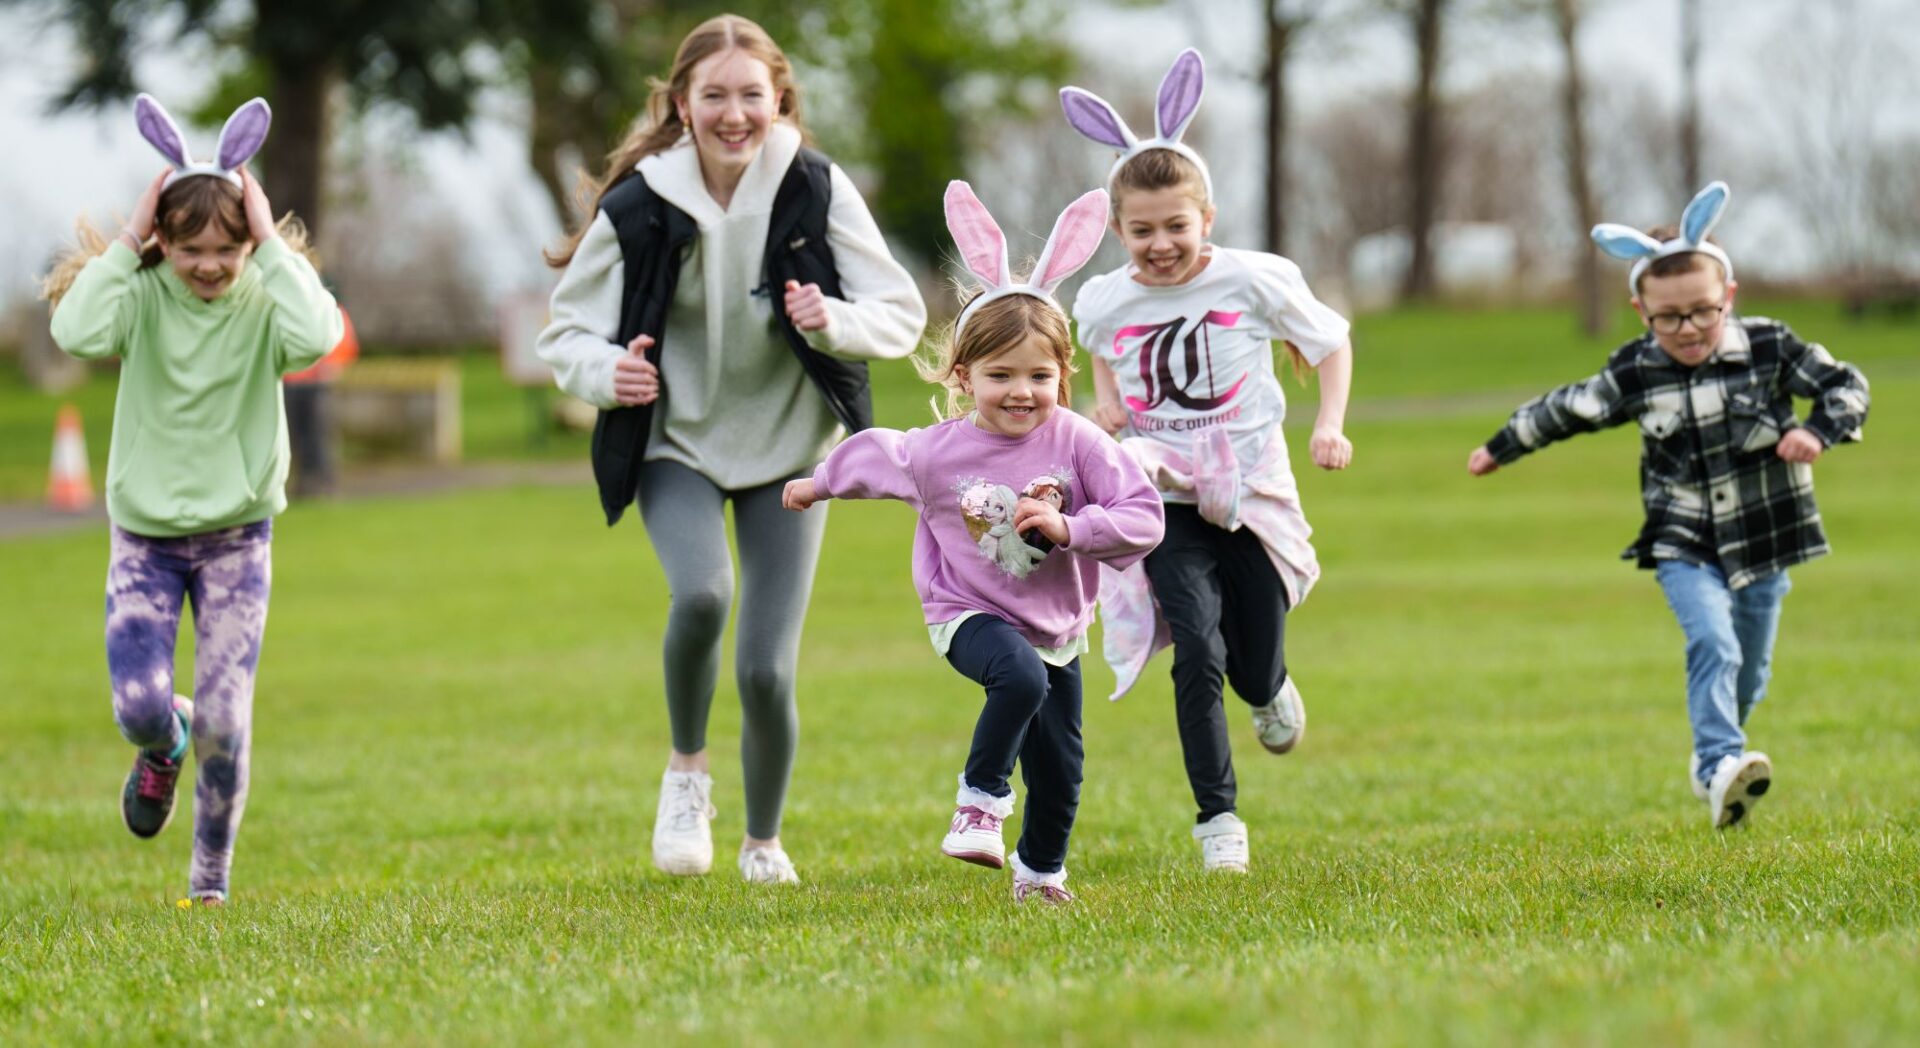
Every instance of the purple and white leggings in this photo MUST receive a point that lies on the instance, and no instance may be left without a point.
(227, 574)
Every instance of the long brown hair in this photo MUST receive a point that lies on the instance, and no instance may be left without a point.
(660, 127)
(184, 209)
(994, 328)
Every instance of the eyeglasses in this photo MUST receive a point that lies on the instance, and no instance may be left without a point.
(1703, 318)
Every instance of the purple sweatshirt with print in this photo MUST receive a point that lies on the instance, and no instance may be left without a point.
(964, 482)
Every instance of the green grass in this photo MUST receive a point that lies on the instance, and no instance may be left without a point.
(1485, 838)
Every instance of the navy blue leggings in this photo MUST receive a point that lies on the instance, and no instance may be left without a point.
(1033, 715)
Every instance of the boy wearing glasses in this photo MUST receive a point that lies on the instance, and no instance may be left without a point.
(1726, 474)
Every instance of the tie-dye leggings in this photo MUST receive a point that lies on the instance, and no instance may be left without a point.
(227, 574)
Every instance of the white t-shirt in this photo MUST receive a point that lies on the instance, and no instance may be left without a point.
(1200, 354)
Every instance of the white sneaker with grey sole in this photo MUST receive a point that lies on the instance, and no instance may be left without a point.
(767, 866)
(1282, 723)
(683, 824)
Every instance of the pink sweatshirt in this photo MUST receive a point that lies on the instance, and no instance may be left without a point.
(964, 481)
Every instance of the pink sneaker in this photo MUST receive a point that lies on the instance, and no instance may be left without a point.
(1049, 888)
(975, 837)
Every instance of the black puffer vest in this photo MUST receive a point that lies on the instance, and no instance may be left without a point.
(654, 240)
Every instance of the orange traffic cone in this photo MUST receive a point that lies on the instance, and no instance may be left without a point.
(69, 484)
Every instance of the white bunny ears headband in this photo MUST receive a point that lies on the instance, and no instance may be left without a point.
(983, 248)
(1178, 100)
(243, 135)
(1626, 242)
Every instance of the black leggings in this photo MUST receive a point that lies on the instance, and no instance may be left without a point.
(1227, 609)
(1032, 713)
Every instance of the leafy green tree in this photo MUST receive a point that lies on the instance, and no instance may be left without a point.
(429, 56)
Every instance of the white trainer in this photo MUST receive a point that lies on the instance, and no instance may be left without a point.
(1738, 784)
(683, 824)
(1693, 776)
(767, 865)
(974, 837)
(1223, 843)
(1282, 723)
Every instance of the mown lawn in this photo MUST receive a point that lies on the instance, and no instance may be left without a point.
(1485, 838)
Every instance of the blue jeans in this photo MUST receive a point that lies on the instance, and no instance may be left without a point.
(1729, 650)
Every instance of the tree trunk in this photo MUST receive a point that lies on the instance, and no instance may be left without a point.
(1593, 307)
(1423, 154)
(1279, 42)
(1689, 98)
(294, 161)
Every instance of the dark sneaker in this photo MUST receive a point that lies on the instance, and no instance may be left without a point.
(146, 802)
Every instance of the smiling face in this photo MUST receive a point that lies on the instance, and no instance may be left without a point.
(208, 261)
(730, 104)
(1686, 299)
(1015, 390)
(1163, 231)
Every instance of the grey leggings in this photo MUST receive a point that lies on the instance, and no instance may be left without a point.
(778, 551)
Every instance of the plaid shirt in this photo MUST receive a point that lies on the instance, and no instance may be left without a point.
(1713, 488)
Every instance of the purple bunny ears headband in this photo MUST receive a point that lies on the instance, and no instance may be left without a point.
(983, 248)
(1179, 99)
(1626, 242)
(245, 132)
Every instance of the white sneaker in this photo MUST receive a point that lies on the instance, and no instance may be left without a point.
(1737, 785)
(1693, 776)
(974, 837)
(767, 866)
(683, 824)
(1223, 843)
(1282, 723)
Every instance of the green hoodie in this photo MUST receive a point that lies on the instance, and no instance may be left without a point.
(199, 433)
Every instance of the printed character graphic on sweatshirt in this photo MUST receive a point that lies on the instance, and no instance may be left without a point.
(988, 509)
(1052, 489)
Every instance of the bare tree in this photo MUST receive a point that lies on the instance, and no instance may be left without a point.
(1689, 97)
(1424, 147)
(1593, 308)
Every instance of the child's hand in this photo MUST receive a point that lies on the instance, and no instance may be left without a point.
(1035, 515)
(799, 494)
(806, 306)
(1481, 462)
(635, 380)
(140, 224)
(1798, 445)
(260, 227)
(1331, 448)
(1110, 416)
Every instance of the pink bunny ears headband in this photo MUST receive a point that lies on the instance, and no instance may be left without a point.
(1626, 242)
(983, 248)
(1179, 99)
(245, 132)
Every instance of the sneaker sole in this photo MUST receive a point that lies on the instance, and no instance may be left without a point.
(683, 867)
(164, 823)
(1744, 792)
(978, 858)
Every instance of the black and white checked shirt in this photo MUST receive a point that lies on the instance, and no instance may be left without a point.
(1713, 488)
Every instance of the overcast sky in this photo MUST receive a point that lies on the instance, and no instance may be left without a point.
(58, 166)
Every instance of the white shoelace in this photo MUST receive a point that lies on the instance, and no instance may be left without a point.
(686, 805)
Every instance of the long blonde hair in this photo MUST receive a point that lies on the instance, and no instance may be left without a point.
(660, 126)
(184, 209)
(993, 329)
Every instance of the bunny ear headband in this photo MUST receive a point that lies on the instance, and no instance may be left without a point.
(983, 248)
(1626, 242)
(1173, 111)
(246, 130)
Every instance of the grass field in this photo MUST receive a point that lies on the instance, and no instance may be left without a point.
(1486, 837)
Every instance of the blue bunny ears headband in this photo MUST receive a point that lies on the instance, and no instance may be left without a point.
(1173, 111)
(243, 135)
(1702, 213)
